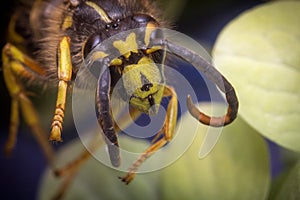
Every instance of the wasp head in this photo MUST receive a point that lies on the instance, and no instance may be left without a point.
(129, 35)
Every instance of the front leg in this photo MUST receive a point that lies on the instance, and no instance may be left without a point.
(69, 171)
(167, 131)
(64, 77)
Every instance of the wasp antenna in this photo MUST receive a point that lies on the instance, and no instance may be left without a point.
(215, 76)
(213, 121)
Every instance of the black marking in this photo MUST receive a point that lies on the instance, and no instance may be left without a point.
(113, 25)
(146, 83)
(151, 100)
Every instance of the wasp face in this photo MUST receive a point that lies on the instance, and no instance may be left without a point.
(144, 85)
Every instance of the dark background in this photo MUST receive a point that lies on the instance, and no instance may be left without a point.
(20, 174)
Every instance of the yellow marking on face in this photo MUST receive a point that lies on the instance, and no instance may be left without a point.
(98, 55)
(116, 61)
(67, 22)
(153, 49)
(145, 60)
(133, 83)
(132, 78)
(149, 29)
(127, 46)
(100, 11)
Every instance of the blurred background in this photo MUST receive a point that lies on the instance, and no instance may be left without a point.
(20, 173)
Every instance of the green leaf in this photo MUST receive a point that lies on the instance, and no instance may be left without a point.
(237, 167)
(259, 52)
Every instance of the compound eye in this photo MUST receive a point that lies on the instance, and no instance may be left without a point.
(142, 18)
(91, 43)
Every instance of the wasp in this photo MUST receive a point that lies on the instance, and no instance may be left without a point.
(48, 41)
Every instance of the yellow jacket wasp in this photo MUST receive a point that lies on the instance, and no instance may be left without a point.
(48, 41)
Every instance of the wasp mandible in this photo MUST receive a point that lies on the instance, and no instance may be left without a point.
(49, 39)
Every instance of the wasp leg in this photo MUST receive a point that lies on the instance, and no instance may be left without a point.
(64, 186)
(69, 171)
(13, 130)
(168, 130)
(16, 65)
(69, 168)
(123, 120)
(64, 77)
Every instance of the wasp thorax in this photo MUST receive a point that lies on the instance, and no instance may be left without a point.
(143, 83)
